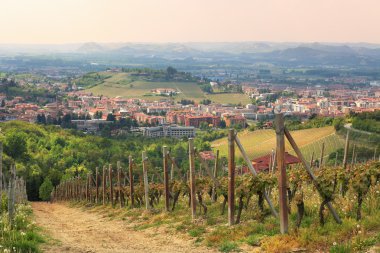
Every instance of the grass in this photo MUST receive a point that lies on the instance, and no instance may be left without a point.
(229, 98)
(261, 142)
(23, 235)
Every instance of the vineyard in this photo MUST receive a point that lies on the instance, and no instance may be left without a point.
(261, 142)
(305, 207)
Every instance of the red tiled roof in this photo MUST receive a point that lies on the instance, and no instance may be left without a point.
(262, 163)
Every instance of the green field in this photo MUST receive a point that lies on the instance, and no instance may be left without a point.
(261, 142)
(124, 85)
(121, 84)
(233, 98)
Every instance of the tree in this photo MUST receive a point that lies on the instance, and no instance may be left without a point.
(203, 125)
(46, 189)
(111, 117)
(171, 71)
(98, 115)
(15, 144)
(222, 124)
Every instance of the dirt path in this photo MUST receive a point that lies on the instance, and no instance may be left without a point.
(81, 231)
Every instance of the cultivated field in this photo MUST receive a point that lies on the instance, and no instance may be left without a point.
(122, 84)
(233, 98)
(261, 142)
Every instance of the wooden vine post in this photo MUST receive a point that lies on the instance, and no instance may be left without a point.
(322, 154)
(231, 177)
(111, 184)
(312, 160)
(88, 187)
(166, 177)
(192, 178)
(104, 185)
(216, 165)
(172, 169)
(131, 181)
(119, 191)
(346, 146)
(280, 151)
(97, 185)
(11, 194)
(146, 184)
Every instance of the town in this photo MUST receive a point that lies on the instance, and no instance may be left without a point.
(75, 107)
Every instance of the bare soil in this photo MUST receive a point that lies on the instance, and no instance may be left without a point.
(75, 230)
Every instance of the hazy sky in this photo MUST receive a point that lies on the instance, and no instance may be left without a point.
(71, 21)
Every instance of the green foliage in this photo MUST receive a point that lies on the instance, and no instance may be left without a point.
(92, 79)
(45, 189)
(15, 144)
(229, 247)
(338, 123)
(313, 122)
(47, 151)
(368, 121)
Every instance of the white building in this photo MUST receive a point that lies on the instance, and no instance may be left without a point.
(169, 131)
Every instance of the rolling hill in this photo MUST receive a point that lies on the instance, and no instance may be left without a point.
(127, 86)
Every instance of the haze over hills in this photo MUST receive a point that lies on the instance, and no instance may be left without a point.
(240, 53)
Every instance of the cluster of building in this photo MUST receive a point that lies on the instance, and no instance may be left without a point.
(332, 100)
(166, 118)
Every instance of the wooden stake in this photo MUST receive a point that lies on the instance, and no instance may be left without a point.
(111, 183)
(280, 151)
(192, 178)
(322, 154)
(119, 191)
(172, 170)
(11, 195)
(104, 185)
(231, 177)
(345, 157)
(312, 160)
(214, 196)
(97, 185)
(131, 181)
(166, 177)
(146, 184)
(312, 176)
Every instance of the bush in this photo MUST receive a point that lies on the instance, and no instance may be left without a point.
(46, 189)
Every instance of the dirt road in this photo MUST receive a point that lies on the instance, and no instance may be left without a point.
(80, 231)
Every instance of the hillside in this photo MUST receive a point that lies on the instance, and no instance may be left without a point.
(128, 85)
(124, 85)
(261, 142)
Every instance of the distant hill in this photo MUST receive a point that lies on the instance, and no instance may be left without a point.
(199, 53)
(90, 47)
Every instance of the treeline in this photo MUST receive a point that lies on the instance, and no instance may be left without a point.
(295, 123)
(168, 74)
(45, 151)
(367, 121)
